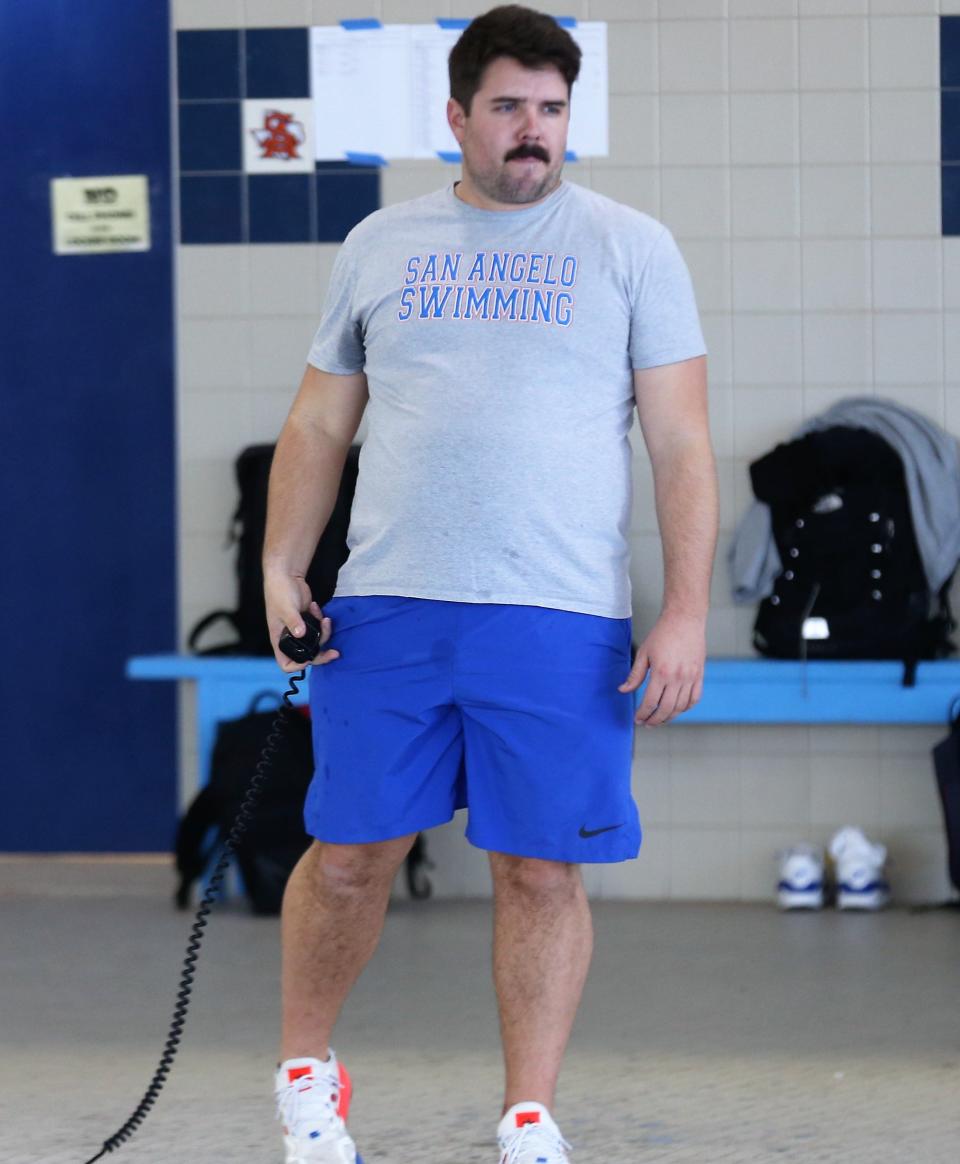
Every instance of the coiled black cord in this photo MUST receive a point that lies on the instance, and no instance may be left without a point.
(243, 818)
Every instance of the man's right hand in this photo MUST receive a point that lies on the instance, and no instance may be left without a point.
(285, 597)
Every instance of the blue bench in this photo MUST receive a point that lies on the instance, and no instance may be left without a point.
(735, 691)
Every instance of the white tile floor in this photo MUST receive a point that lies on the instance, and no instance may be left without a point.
(708, 1032)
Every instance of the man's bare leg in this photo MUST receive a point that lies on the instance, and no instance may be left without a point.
(542, 945)
(333, 911)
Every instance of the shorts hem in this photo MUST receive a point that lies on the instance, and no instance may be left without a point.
(372, 836)
(555, 854)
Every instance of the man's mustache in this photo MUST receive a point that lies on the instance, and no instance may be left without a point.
(528, 151)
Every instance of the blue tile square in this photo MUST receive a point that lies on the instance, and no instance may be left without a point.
(280, 210)
(950, 196)
(210, 136)
(950, 125)
(277, 62)
(211, 209)
(208, 63)
(345, 197)
(950, 52)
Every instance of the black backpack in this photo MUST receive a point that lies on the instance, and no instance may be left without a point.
(249, 620)
(852, 584)
(274, 839)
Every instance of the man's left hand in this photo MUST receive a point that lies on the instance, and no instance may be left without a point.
(673, 655)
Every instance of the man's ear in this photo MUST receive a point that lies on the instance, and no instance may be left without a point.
(456, 118)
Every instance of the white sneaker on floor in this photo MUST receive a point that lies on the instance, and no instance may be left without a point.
(861, 883)
(528, 1135)
(313, 1100)
(801, 878)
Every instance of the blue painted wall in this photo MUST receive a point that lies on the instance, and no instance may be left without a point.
(87, 468)
(216, 70)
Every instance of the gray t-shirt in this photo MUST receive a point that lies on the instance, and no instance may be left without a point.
(498, 348)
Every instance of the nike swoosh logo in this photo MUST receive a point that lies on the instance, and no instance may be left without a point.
(588, 833)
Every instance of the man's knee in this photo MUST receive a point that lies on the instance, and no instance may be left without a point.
(355, 870)
(533, 877)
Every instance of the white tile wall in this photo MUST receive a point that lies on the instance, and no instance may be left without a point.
(695, 201)
(693, 130)
(833, 7)
(213, 354)
(284, 280)
(838, 349)
(401, 181)
(766, 8)
(721, 417)
(637, 186)
(633, 62)
(693, 56)
(766, 275)
(208, 14)
(834, 127)
(763, 55)
(951, 327)
(905, 201)
(688, 9)
(764, 129)
(907, 348)
(951, 273)
(634, 131)
(836, 275)
(766, 351)
(213, 281)
(793, 148)
(905, 126)
(278, 13)
(844, 788)
(909, 7)
(835, 201)
(765, 202)
(278, 347)
(718, 334)
(619, 10)
(709, 264)
(412, 11)
(907, 275)
(833, 54)
(904, 53)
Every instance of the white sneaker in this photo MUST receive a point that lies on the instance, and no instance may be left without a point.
(313, 1100)
(861, 883)
(801, 878)
(528, 1135)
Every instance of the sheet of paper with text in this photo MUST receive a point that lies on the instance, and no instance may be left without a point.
(380, 92)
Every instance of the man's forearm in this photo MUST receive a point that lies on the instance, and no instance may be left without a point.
(688, 516)
(304, 482)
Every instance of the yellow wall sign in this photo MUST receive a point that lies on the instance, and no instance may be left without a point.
(94, 215)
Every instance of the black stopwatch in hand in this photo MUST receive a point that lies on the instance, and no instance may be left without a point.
(304, 649)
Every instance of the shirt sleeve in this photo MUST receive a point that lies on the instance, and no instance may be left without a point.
(338, 345)
(664, 324)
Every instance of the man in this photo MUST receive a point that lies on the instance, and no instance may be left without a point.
(477, 650)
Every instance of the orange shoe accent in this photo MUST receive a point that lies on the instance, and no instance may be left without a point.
(346, 1093)
(527, 1117)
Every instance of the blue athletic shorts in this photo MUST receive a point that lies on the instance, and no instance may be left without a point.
(510, 711)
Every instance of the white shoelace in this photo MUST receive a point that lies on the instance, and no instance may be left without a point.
(533, 1137)
(310, 1099)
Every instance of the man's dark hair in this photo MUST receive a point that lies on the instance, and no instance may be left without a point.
(531, 38)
